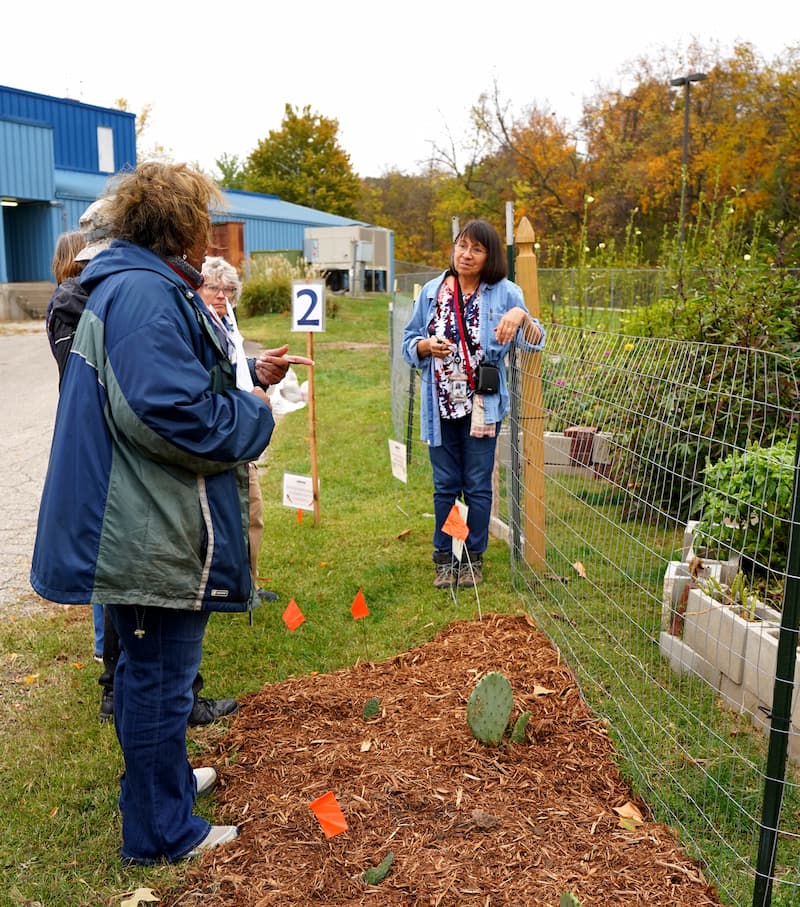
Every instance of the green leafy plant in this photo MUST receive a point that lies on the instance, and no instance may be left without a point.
(746, 505)
(738, 594)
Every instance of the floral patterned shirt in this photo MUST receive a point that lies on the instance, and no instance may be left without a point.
(445, 324)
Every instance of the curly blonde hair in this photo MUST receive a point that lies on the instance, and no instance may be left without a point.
(67, 247)
(164, 207)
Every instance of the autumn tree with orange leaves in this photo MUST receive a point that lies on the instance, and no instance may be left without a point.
(626, 155)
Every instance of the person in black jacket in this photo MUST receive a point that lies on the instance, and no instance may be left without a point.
(74, 250)
(69, 298)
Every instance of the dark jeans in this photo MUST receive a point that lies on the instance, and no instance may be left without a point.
(111, 652)
(462, 467)
(152, 703)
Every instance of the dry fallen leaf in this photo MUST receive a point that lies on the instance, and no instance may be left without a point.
(541, 691)
(580, 569)
(140, 896)
(629, 815)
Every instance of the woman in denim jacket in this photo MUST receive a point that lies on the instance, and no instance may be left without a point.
(465, 317)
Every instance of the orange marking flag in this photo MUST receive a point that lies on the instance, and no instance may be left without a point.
(359, 607)
(293, 616)
(329, 813)
(455, 526)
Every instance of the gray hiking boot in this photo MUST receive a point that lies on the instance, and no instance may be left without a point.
(470, 572)
(446, 571)
(446, 576)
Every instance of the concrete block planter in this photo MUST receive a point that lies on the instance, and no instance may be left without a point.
(717, 633)
(684, 660)
(737, 657)
(676, 580)
(579, 448)
(730, 566)
(556, 448)
(761, 663)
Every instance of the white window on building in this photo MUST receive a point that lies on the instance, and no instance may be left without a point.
(105, 149)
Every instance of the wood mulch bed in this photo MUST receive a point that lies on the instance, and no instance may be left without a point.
(468, 824)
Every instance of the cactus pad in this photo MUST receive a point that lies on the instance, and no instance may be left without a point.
(568, 899)
(371, 708)
(378, 873)
(520, 726)
(489, 708)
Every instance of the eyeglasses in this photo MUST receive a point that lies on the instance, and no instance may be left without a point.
(215, 289)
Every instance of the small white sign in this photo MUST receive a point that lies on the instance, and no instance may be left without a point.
(308, 305)
(397, 454)
(298, 492)
(458, 545)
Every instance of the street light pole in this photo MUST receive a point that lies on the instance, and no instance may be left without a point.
(686, 82)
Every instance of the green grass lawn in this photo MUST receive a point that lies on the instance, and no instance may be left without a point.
(59, 769)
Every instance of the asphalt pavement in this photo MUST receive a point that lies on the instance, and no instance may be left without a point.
(29, 394)
(29, 391)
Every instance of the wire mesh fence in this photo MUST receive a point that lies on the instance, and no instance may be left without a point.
(661, 477)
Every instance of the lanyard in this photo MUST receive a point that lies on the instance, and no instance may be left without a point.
(466, 341)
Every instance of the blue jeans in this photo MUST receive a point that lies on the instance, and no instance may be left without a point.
(462, 467)
(98, 618)
(152, 701)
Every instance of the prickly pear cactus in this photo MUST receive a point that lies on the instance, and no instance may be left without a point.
(371, 708)
(520, 726)
(378, 873)
(489, 708)
(568, 899)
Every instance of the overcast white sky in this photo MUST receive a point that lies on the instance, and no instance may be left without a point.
(397, 77)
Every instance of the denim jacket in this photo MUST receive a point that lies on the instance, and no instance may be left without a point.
(494, 301)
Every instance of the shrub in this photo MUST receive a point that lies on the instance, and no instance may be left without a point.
(268, 288)
(747, 503)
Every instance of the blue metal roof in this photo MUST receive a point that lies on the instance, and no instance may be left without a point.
(49, 161)
(270, 207)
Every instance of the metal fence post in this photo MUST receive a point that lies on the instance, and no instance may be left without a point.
(780, 723)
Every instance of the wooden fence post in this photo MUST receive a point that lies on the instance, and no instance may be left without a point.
(531, 410)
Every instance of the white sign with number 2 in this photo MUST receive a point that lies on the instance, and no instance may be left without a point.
(308, 305)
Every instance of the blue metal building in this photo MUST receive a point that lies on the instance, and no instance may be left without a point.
(56, 157)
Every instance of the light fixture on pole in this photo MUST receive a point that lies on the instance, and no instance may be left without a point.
(686, 82)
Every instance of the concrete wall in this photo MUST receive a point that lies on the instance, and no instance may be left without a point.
(23, 301)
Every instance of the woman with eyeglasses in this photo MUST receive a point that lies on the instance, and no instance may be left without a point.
(220, 291)
(458, 336)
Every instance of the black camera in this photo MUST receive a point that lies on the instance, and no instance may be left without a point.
(487, 379)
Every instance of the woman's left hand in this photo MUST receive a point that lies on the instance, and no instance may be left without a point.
(509, 324)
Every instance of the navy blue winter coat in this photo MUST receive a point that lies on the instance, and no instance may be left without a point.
(146, 496)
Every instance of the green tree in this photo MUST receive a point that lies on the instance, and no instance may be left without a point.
(303, 163)
(232, 171)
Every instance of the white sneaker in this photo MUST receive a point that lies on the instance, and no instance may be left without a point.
(204, 779)
(219, 834)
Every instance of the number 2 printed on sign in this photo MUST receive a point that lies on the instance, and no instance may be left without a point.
(308, 306)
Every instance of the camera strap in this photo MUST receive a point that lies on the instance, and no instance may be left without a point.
(467, 346)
